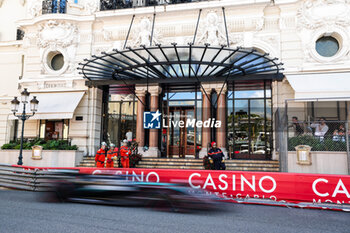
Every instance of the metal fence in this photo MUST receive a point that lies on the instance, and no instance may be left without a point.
(122, 4)
(28, 179)
(320, 135)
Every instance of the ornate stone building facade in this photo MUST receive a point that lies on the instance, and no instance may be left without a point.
(296, 32)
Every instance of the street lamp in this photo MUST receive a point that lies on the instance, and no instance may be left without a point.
(23, 116)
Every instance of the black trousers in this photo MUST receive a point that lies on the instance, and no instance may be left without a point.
(218, 164)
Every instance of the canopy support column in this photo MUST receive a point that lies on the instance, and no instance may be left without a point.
(140, 131)
(206, 113)
(221, 116)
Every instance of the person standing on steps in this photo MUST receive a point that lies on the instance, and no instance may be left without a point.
(111, 155)
(101, 155)
(124, 154)
(217, 157)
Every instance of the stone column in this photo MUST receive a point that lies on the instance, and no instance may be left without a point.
(153, 150)
(221, 116)
(140, 132)
(205, 116)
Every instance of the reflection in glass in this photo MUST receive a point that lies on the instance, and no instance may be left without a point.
(121, 119)
(249, 124)
(190, 129)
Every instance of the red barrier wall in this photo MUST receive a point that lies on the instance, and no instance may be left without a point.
(288, 187)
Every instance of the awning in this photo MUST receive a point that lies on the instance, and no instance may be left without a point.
(179, 64)
(327, 85)
(55, 105)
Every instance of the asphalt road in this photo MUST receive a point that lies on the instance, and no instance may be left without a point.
(21, 211)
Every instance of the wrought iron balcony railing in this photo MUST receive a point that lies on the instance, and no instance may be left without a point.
(54, 6)
(122, 4)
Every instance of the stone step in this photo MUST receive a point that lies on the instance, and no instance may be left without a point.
(87, 159)
(197, 164)
(195, 160)
(201, 168)
(228, 163)
(201, 164)
(200, 160)
(230, 168)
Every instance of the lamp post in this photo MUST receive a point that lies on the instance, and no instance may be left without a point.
(23, 116)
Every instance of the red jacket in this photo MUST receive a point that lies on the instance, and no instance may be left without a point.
(111, 154)
(100, 157)
(124, 152)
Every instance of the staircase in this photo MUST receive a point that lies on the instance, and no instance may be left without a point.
(178, 163)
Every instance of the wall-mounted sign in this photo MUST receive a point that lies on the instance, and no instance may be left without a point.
(303, 154)
(37, 152)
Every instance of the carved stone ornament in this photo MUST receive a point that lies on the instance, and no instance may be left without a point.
(212, 33)
(57, 37)
(143, 34)
(319, 18)
(34, 8)
(91, 6)
(54, 33)
(317, 13)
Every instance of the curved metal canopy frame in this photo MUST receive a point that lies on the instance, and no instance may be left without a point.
(178, 63)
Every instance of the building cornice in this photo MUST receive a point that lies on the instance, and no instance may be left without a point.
(47, 17)
(16, 43)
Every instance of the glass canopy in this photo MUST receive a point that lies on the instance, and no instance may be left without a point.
(183, 63)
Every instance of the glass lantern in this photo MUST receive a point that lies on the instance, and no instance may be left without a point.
(14, 105)
(34, 104)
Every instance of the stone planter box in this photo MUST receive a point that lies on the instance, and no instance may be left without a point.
(50, 158)
(322, 162)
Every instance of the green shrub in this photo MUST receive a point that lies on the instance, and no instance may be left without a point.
(47, 145)
(8, 146)
(327, 144)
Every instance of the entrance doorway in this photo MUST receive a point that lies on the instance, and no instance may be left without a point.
(250, 120)
(181, 135)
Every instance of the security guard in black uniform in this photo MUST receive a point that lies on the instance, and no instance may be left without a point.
(217, 157)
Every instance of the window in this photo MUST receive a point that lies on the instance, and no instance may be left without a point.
(327, 46)
(20, 34)
(54, 6)
(55, 60)
(54, 129)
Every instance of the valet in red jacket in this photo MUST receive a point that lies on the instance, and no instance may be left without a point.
(124, 154)
(101, 155)
(111, 154)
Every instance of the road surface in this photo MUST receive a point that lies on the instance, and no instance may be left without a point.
(20, 211)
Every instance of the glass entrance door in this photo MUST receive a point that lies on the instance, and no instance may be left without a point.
(252, 131)
(250, 121)
(182, 135)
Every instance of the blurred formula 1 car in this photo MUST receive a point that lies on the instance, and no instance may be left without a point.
(120, 190)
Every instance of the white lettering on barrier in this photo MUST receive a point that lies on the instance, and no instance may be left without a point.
(223, 181)
(233, 182)
(344, 190)
(251, 185)
(96, 172)
(209, 179)
(139, 178)
(273, 182)
(315, 190)
(223, 185)
(152, 173)
(190, 180)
